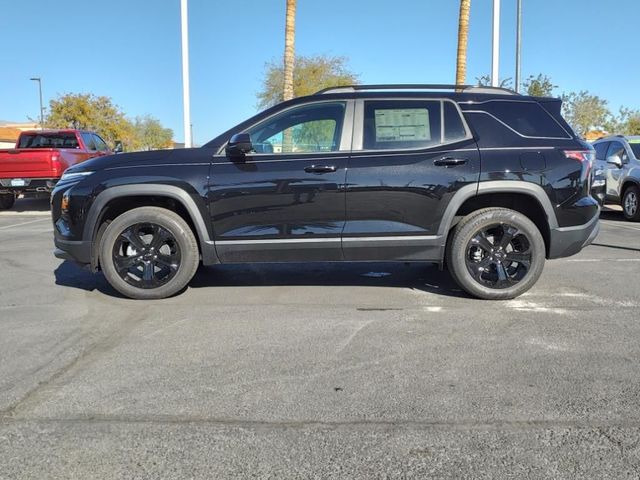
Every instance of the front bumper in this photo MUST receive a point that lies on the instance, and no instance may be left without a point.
(567, 241)
(76, 251)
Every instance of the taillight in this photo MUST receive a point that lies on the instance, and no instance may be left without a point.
(55, 164)
(585, 156)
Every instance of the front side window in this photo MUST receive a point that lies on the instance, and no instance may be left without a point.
(311, 128)
(88, 141)
(100, 144)
(617, 149)
(401, 124)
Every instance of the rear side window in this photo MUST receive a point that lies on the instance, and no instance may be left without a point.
(601, 150)
(400, 124)
(527, 118)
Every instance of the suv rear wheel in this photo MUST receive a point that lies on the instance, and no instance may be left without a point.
(630, 204)
(7, 200)
(149, 253)
(496, 254)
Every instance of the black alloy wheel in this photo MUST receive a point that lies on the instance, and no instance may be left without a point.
(499, 256)
(496, 253)
(146, 255)
(149, 253)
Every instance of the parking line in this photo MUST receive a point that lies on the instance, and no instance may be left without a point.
(23, 223)
(622, 226)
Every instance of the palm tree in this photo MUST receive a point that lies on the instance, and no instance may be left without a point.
(289, 51)
(463, 36)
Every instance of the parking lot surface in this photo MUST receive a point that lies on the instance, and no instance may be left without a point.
(318, 371)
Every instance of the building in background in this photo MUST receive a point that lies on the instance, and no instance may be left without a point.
(10, 131)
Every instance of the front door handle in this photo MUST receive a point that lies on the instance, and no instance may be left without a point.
(449, 162)
(320, 169)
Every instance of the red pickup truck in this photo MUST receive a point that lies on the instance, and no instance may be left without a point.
(41, 157)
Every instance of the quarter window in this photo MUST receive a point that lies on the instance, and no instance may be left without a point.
(308, 129)
(527, 118)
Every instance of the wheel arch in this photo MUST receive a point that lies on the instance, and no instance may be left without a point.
(116, 200)
(524, 197)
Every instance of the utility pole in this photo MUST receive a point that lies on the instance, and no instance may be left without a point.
(518, 44)
(185, 73)
(39, 80)
(495, 51)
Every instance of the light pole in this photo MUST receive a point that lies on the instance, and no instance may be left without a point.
(39, 80)
(495, 51)
(185, 73)
(518, 44)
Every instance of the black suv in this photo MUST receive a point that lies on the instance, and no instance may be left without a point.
(483, 180)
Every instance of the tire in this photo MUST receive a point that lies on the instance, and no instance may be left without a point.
(7, 200)
(504, 250)
(631, 204)
(149, 253)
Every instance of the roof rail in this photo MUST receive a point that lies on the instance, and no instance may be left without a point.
(416, 86)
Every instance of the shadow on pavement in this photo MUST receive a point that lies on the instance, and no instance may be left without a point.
(68, 274)
(419, 276)
(424, 277)
(31, 205)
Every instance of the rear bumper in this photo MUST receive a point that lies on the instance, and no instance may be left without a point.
(31, 185)
(568, 241)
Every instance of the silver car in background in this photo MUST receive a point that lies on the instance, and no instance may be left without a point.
(618, 157)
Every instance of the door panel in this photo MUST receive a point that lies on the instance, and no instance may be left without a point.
(396, 197)
(284, 204)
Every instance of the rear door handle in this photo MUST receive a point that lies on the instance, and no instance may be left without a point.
(320, 169)
(449, 162)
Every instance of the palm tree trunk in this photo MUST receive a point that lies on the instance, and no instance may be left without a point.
(289, 59)
(463, 36)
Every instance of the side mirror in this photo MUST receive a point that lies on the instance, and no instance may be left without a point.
(615, 160)
(118, 148)
(239, 145)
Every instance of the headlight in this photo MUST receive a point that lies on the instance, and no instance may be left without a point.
(73, 175)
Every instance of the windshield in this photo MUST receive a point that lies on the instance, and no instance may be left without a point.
(48, 140)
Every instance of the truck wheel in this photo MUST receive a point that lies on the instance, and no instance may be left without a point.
(7, 200)
(496, 254)
(630, 204)
(149, 253)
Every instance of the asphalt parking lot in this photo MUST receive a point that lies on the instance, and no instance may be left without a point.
(322, 371)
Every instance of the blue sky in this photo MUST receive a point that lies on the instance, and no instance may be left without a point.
(129, 50)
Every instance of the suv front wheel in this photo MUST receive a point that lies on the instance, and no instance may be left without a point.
(630, 204)
(496, 254)
(149, 253)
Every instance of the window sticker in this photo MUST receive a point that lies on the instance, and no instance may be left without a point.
(402, 125)
(633, 140)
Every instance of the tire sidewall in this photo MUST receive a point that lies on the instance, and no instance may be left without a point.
(7, 200)
(464, 234)
(182, 235)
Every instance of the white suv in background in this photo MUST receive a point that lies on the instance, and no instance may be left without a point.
(619, 157)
